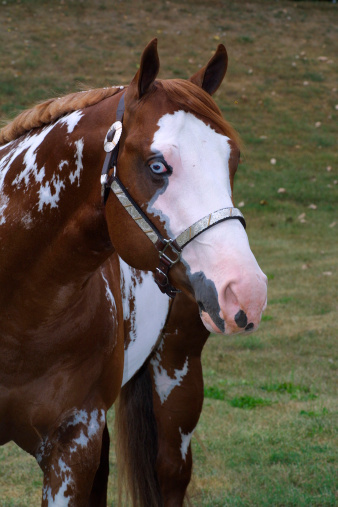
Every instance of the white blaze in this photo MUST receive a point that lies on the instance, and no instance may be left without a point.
(198, 186)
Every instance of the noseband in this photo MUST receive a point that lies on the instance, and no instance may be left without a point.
(169, 250)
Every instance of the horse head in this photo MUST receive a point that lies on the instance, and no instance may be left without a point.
(175, 173)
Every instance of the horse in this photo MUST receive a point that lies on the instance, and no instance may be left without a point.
(121, 250)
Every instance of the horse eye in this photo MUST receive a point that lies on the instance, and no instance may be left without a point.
(158, 167)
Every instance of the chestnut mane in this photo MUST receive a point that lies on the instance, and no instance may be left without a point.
(185, 94)
(51, 110)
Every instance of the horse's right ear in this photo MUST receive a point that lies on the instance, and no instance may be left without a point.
(211, 76)
(149, 67)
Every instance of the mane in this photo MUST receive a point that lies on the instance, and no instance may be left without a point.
(51, 110)
(192, 98)
(185, 94)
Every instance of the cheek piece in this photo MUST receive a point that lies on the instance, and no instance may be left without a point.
(169, 249)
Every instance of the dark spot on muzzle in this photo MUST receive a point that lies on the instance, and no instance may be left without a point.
(207, 297)
(241, 318)
(249, 326)
(201, 306)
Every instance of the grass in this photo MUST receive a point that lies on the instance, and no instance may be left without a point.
(268, 433)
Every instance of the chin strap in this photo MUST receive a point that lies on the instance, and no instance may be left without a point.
(169, 250)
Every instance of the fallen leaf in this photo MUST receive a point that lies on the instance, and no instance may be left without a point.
(317, 124)
(332, 224)
(313, 206)
(241, 204)
(327, 273)
(263, 202)
(305, 266)
(301, 218)
(281, 191)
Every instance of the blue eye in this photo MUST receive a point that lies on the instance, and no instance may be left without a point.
(158, 167)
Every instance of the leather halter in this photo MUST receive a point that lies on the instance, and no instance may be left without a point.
(169, 250)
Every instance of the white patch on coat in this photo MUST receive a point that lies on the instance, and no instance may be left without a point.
(78, 162)
(109, 296)
(71, 120)
(43, 450)
(92, 423)
(147, 316)
(79, 417)
(27, 220)
(31, 143)
(62, 164)
(4, 200)
(58, 498)
(50, 196)
(82, 440)
(185, 441)
(164, 384)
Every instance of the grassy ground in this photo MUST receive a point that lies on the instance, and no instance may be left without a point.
(268, 432)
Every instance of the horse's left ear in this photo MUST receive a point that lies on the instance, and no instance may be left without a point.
(149, 67)
(211, 76)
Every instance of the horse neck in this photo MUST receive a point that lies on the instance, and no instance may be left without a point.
(52, 225)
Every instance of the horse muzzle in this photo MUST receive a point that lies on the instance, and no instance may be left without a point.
(236, 307)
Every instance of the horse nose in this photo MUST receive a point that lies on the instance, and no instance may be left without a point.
(242, 303)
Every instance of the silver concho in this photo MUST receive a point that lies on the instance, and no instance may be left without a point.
(117, 129)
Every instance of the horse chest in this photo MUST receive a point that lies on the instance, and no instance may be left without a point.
(145, 310)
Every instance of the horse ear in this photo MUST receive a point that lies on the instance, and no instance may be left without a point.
(211, 76)
(149, 67)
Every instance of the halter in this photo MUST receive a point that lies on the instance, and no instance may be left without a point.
(169, 250)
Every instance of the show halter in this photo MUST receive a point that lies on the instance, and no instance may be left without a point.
(169, 250)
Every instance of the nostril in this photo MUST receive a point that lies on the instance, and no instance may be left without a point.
(201, 306)
(241, 319)
(249, 326)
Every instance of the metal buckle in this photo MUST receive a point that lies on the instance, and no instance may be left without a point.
(166, 282)
(169, 242)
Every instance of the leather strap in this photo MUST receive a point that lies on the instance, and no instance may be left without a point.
(169, 249)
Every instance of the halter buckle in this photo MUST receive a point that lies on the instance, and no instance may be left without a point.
(176, 251)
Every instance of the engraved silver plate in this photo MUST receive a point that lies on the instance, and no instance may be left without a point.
(117, 129)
